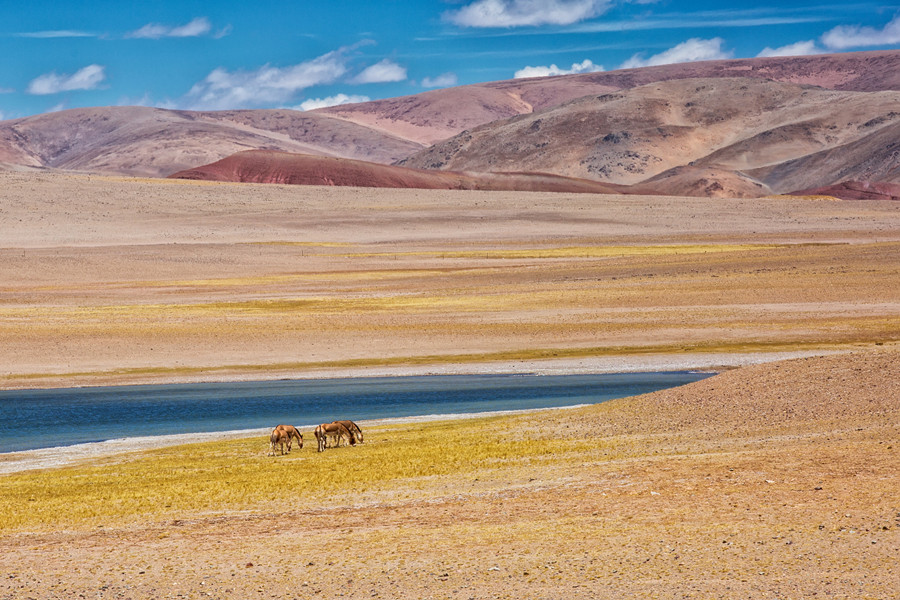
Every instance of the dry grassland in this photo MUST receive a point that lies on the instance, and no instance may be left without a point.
(772, 481)
(126, 281)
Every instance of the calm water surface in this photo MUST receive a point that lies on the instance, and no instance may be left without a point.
(78, 415)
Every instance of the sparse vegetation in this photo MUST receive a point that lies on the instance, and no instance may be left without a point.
(225, 476)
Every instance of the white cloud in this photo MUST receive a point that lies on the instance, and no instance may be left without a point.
(336, 100)
(64, 33)
(223, 32)
(798, 49)
(855, 36)
(694, 49)
(441, 81)
(383, 71)
(144, 100)
(585, 66)
(154, 31)
(223, 89)
(88, 78)
(518, 13)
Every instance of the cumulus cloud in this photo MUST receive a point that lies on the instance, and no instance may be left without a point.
(692, 50)
(585, 66)
(336, 100)
(855, 36)
(88, 78)
(384, 71)
(441, 81)
(223, 89)
(154, 31)
(797, 49)
(519, 13)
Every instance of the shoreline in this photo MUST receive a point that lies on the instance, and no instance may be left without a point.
(61, 456)
(631, 363)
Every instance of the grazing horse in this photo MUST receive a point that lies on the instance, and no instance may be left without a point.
(356, 434)
(282, 436)
(335, 430)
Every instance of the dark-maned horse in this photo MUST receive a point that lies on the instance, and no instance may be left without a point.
(282, 436)
(335, 430)
(355, 432)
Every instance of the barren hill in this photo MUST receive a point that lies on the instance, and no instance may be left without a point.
(739, 127)
(748, 129)
(156, 142)
(855, 190)
(266, 166)
(874, 157)
(439, 114)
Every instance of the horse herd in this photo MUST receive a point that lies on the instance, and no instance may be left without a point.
(284, 435)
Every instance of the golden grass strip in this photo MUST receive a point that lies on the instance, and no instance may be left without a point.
(582, 251)
(200, 479)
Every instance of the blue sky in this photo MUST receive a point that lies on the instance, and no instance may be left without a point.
(193, 54)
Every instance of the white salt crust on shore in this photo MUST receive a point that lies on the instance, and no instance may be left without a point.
(47, 458)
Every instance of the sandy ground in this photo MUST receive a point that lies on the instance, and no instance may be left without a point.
(130, 281)
(775, 480)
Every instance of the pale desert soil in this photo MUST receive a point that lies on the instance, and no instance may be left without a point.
(777, 480)
(107, 281)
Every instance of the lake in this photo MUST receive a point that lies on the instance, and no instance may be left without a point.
(83, 415)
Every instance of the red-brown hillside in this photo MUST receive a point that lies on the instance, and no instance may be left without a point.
(761, 136)
(143, 141)
(268, 166)
(436, 115)
(855, 190)
(736, 127)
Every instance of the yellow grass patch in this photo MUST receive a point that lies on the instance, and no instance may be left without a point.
(584, 251)
(199, 479)
(819, 197)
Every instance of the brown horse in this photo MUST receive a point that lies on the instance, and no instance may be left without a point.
(336, 430)
(355, 432)
(282, 436)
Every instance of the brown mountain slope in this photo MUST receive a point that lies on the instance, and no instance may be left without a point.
(156, 142)
(439, 114)
(266, 166)
(855, 190)
(147, 141)
(436, 115)
(704, 182)
(628, 137)
(874, 157)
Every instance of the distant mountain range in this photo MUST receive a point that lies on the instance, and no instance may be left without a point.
(748, 127)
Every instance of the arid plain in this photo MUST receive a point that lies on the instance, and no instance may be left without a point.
(124, 281)
(778, 479)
